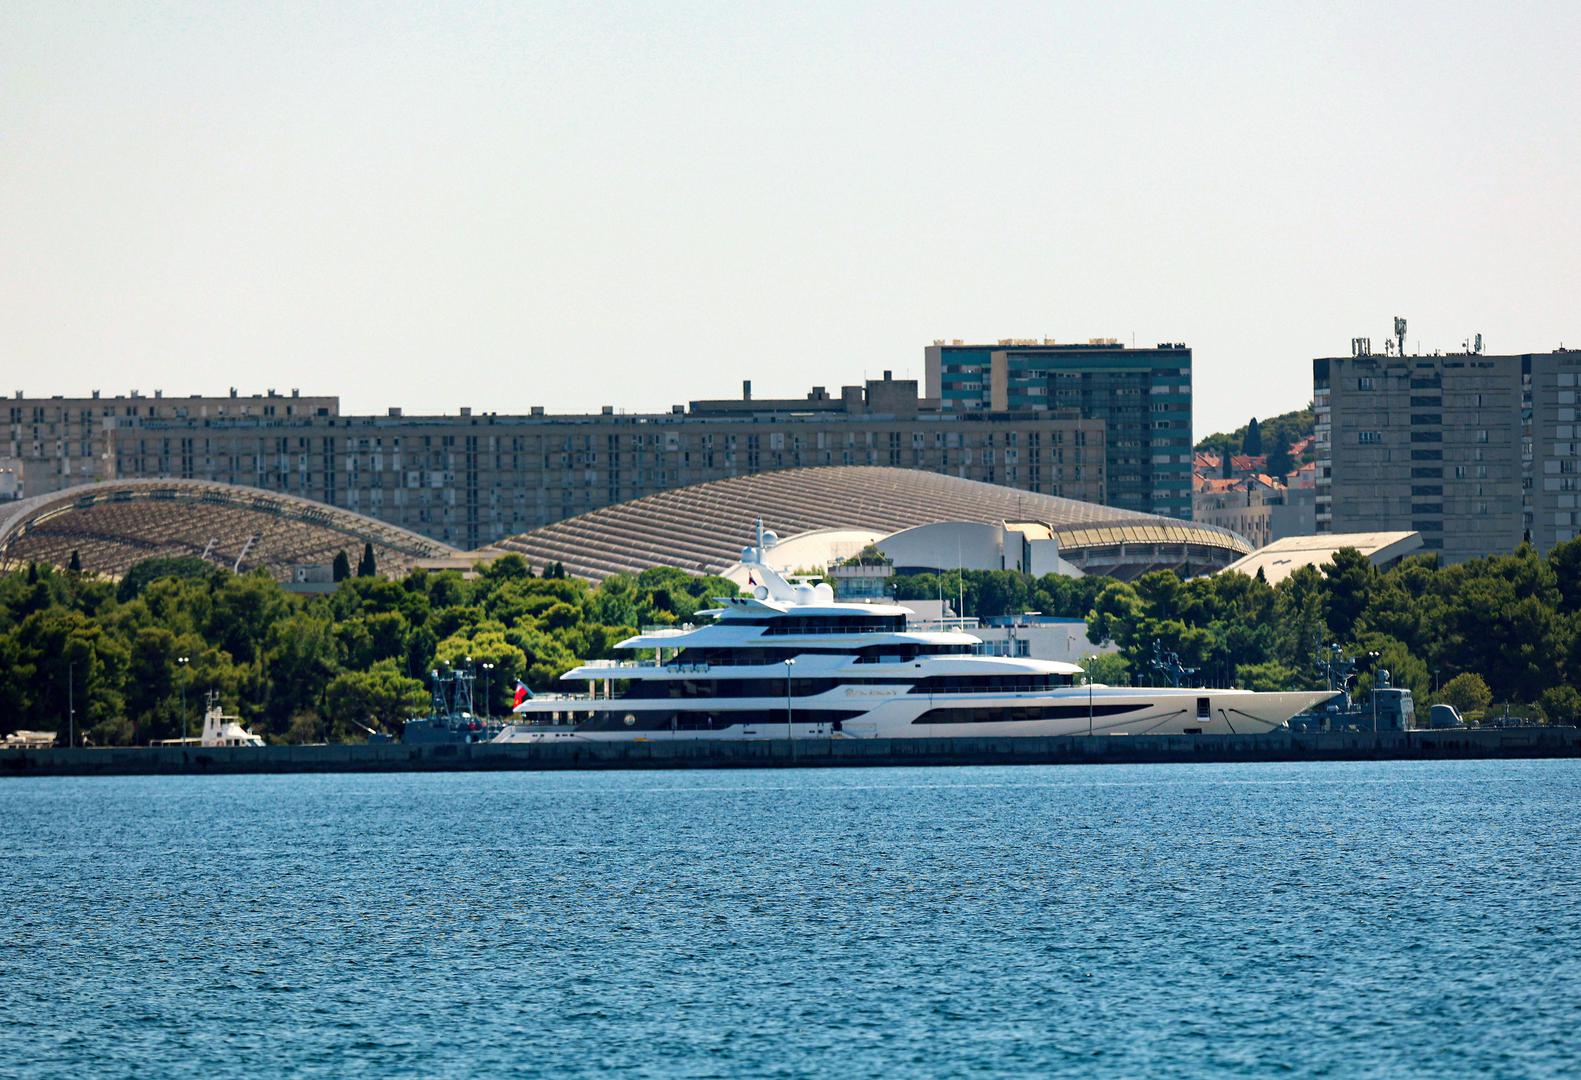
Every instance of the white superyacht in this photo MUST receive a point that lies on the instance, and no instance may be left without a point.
(789, 661)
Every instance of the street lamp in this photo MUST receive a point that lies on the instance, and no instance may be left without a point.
(71, 703)
(487, 709)
(182, 660)
(788, 664)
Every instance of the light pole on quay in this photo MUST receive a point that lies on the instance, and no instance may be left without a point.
(487, 708)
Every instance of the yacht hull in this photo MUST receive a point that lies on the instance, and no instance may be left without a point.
(901, 715)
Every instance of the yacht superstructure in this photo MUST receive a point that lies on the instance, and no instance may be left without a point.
(789, 661)
(220, 729)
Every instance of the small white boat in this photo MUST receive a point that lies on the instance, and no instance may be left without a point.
(222, 730)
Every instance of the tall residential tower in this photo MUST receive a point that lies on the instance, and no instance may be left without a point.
(1474, 452)
(1143, 396)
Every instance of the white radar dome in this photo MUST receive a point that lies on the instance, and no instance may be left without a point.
(823, 593)
(806, 594)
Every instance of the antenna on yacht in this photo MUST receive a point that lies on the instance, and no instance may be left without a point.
(960, 584)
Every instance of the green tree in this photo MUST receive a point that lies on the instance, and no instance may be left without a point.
(511, 567)
(1499, 620)
(1467, 693)
(1107, 669)
(305, 728)
(1348, 587)
(152, 694)
(1117, 616)
(1560, 705)
(420, 645)
(1269, 676)
(244, 607)
(340, 570)
(1001, 592)
(381, 697)
(302, 648)
(1565, 561)
(1406, 671)
(1253, 445)
(141, 574)
(368, 566)
(1280, 463)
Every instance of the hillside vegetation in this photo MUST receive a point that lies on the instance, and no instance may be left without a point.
(1272, 436)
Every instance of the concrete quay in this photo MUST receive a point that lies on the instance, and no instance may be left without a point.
(1531, 742)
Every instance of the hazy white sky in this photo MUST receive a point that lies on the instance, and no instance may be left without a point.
(586, 204)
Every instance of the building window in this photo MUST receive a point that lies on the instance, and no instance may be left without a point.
(1369, 437)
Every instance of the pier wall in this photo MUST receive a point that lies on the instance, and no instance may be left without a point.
(1532, 742)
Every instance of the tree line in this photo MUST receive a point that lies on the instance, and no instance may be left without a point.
(1485, 633)
(134, 658)
(1499, 630)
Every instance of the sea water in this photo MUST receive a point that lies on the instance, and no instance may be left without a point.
(1114, 921)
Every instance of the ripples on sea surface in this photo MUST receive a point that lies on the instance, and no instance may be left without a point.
(1325, 919)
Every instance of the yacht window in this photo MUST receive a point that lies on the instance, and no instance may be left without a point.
(980, 684)
(1023, 715)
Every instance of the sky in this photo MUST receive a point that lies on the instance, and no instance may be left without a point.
(576, 205)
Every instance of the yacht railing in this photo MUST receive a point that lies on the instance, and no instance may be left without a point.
(960, 622)
(668, 665)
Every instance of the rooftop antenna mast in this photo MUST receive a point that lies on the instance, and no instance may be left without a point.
(1399, 333)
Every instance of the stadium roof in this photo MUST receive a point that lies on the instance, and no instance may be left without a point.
(114, 524)
(1284, 557)
(700, 529)
(703, 528)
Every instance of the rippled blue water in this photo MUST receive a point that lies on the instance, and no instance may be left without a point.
(1327, 919)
